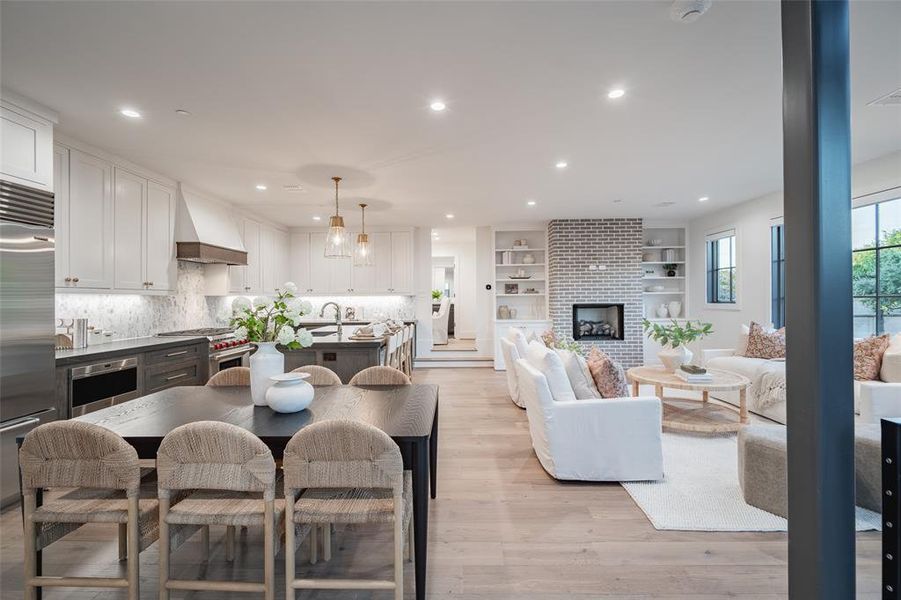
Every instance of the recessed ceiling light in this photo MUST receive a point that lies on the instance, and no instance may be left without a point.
(616, 93)
(703, 199)
(531, 203)
(617, 201)
(436, 238)
(437, 105)
(562, 164)
(130, 113)
(182, 112)
(448, 216)
(262, 187)
(317, 218)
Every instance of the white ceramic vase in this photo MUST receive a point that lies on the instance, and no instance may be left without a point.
(289, 393)
(662, 312)
(673, 358)
(675, 308)
(264, 363)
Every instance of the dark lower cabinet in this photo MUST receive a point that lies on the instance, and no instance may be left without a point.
(346, 362)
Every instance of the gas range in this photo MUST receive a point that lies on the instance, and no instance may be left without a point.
(222, 339)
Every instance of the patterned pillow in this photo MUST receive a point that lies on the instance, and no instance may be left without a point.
(609, 376)
(765, 344)
(868, 356)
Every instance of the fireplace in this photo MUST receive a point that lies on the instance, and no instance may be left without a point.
(598, 322)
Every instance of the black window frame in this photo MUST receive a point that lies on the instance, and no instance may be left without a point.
(878, 296)
(714, 269)
(777, 275)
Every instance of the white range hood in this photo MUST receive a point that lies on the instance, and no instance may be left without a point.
(206, 232)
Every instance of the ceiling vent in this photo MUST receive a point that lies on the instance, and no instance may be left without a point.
(665, 204)
(294, 188)
(688, 11)
(890, 99)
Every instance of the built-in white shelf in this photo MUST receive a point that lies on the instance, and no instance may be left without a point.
(664, 262)
(520, 295)
(519, 249)
(521, 264)
(663, 247)
(677, 277)
(670, 293)
(509, 280)
(667, 320)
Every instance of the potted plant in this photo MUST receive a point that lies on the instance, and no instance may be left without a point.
(267, 322)
(670, 269)
(436, 295)
(675, 339)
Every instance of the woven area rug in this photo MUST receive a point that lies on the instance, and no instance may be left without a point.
(700, 490)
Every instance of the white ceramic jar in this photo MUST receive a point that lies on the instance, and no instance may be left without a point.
(264, 363)
(289, 393)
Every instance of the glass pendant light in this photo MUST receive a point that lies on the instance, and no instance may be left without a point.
(337, 244)
(363, 249)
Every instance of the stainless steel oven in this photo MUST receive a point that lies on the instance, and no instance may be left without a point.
(102, 384)
(226, 359)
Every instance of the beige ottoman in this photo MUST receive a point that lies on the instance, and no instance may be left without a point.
(762, 468)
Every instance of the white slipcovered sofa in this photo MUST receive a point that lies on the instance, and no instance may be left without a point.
(513, 347)
(439, 323)
(873, 400)
(601, 439)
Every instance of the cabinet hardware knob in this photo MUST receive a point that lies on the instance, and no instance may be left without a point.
(67, 279)
(75, 279)
(151, 283)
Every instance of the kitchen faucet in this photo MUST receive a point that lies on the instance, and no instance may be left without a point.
(337, 313)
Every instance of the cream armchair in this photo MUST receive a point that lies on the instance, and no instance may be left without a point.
(611, 439)
(439, 323)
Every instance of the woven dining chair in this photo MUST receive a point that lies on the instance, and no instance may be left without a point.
(380, 375)
(231, 377)
(104, 470)
(319, 375)
(406, 351)
(217, 458)
(346, 472)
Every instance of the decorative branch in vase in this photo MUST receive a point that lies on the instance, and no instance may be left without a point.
(675, 339)
(267, 322)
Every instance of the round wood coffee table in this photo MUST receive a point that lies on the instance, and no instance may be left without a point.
(688, 414)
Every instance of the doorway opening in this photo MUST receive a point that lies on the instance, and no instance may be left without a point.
(454, 289)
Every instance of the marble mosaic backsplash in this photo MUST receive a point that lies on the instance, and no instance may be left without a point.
(138, 315)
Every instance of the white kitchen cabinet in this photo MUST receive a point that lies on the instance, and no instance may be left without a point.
(401, 262)
(299, 262)
(340, 275)
(319, 265)
(129, 204)
(26, 147)
(282, 251)
(376, 277)
(61, 214)
(252, 281)
(90, 222)
(160, 268)
(273, 255)
(237, 273)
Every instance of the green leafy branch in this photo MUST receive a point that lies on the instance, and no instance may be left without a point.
(676, 335)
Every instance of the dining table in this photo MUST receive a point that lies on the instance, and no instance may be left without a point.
(407, 413)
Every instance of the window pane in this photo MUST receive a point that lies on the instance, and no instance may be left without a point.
(723, 254)
(732, 251)
(890, 223)
(725, 283)
(864, 327)
(863, 227)
(891, 314)
(890, 271)
(864, 307)
(863, 273)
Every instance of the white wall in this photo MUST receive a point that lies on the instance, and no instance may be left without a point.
(484, 297)
(752, 220)
(464, 254)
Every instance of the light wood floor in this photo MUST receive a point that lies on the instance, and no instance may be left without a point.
(500, 529)
(455, 345)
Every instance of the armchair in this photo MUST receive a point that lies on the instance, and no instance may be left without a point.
(511, 355)
(439, 323)
(608, 439)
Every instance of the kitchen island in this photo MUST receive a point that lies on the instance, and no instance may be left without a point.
(340, 353)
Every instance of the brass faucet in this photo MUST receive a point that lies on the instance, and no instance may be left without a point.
(337, 314)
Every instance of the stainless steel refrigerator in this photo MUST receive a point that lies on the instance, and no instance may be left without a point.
(27, 334)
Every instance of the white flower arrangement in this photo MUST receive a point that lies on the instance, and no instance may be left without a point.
(273, 319)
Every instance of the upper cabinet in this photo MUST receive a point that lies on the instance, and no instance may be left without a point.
(267, 260)
(26, 143)
(115, 228)
(391, 272)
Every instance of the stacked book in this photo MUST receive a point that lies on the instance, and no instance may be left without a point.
(693, 374)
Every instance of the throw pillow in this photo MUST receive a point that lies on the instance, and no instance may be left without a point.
(891, 362)
(741, 348)
(868, 357)
(518, 338)
(548, 362)
(765, 344)
(579, 376)
(609, 376)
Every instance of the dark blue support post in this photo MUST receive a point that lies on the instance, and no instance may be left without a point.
(817, 174)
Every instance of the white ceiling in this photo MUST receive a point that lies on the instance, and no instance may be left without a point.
(293, 93)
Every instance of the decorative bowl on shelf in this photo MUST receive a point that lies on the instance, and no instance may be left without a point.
(656, 288)
(514, 276)
(654, 242)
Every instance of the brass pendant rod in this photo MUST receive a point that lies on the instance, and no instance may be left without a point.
(363, 210)
(336, 180)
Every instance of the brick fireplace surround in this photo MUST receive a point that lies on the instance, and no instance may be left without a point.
(615, 246)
